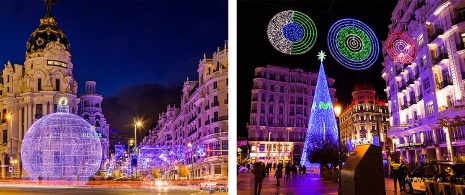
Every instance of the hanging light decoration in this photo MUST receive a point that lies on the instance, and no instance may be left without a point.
(353, 44)
(292, 32)
(61, 148)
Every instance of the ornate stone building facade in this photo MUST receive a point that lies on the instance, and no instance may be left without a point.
(32, 90)
(279, 114)
(365, 120)
(431, 87)
(90, 109)
(201, 121)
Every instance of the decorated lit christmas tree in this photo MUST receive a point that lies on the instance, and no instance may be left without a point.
(322, 126)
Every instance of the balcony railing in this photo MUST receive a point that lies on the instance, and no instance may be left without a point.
(444, 83)
(254, 99)
(441, 57)
(419, 97)
(438, 32)
(226, 101)
(412, 102)
(223, 118)
(215, 104)
(410, 81)
(416, 76)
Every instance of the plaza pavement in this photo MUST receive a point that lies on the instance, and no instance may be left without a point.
(311, 185)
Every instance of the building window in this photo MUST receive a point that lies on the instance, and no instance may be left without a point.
(57, 84)
(39, 84)
(38, 111)
(430, 108)
(423, 61)
(217, 129)
(281, 89)
(426, 83)
(215, 85)
(420, 39)
(281, 110)
(217, 169)
(5, 136)
(224, 147)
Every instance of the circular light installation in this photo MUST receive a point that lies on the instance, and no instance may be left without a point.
(61, 148)
(292, 32)
(353, 44)
(401, 47)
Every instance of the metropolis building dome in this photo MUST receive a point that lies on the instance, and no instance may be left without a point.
(61, 148)
(47, 32)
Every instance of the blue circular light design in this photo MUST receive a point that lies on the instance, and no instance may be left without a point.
(293, 32)
(353, 43)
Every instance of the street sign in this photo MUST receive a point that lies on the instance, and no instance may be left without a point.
(10, 169)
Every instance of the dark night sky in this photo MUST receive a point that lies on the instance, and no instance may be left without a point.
(254, 49)
(138, 52)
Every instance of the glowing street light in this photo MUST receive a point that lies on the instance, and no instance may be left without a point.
(337, 112)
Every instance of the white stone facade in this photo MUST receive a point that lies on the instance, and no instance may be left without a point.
(280, 111)
(202, 120)
(432, 86)
(365, 119)
(90, 109)
(32, 90)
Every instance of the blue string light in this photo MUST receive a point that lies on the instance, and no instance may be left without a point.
(322, 126)
(293, 32)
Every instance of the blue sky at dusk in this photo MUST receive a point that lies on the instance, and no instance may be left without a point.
(122, 43)
(138, 52)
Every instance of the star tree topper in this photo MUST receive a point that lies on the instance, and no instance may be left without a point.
(321, 56)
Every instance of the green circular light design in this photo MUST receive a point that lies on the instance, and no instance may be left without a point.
(310, 33)
(346, 32)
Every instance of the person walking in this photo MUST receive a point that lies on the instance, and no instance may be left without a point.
(294, 172)
(260, 173)
(288, 172)
(397, 174)
(279, 173)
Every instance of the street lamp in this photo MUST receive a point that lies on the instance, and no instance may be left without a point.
(268, 146)
(135, 140)
(192, 160)
(337, 112)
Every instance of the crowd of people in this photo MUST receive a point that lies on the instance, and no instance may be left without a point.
(261, 170)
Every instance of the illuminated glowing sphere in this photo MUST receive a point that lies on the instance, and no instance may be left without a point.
(401, 47)
(292, 32)
(353, 44)
(61, 148)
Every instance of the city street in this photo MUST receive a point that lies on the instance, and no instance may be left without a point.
(19, 187)
(309, 185)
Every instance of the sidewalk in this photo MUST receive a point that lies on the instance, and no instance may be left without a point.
(309, 185)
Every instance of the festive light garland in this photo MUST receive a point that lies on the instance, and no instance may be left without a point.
(55, 150)
(401, 47)
(292, 32)
(322, 126)
(353, 44)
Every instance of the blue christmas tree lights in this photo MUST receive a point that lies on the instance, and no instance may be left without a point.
(322, 126)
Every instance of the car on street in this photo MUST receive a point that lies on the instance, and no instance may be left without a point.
(208, 185)
(222, 186)
(432, 171)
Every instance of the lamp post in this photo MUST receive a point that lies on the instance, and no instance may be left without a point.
(337, 112)
(135, 140)
(268, 151)
(192, 160)
(9, 117)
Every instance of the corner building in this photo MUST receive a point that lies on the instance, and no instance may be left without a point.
(32, 90)
(280, 111)
(431, 87)
(201, 121)
(365, 120)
